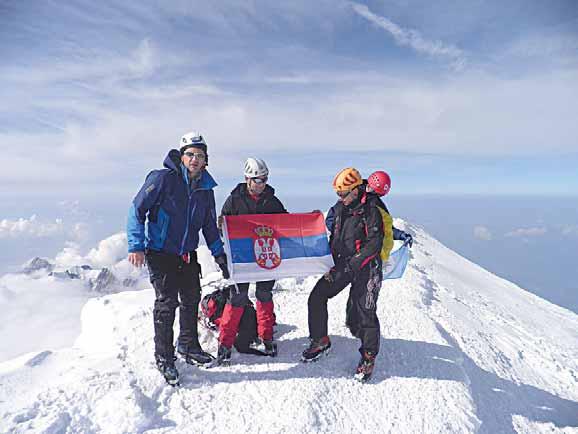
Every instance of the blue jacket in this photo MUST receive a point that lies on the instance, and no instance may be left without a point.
(168, 212)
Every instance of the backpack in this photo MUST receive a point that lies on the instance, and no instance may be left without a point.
(387, 227)
(387, 234)
(212, 306)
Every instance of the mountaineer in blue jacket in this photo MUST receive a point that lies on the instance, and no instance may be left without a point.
(172, 206)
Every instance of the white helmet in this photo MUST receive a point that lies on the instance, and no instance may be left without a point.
(255, 167)
(193, 139)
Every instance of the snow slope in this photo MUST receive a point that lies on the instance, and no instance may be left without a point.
(462, 351)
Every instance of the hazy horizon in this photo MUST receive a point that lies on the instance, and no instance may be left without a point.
(532, 241)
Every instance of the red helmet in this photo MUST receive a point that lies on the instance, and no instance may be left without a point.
(380, 182)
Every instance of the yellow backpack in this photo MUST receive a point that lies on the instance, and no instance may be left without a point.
(387, 234)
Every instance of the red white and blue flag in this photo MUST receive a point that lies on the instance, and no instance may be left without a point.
(273, 246)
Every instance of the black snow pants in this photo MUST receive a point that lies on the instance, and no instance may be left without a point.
(361, 315)
(173, 278)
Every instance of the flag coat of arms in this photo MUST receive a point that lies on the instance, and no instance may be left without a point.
(273, 246)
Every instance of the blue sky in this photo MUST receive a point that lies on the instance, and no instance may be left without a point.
(456, 96)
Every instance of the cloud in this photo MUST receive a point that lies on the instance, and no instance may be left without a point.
(527, 232)
(559, 46)
(30, 228)
(80, 232)
(69, 256)
(482, 233)
(144, 59)
(413, 39)
(34, 228)
(471, 115)
(570, 230)
(107, 105)
(109, 251)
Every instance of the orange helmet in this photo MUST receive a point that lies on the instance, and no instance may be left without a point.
(347, 180)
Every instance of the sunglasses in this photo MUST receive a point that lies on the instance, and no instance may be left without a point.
(344, 194)
(198, 155)
(259, 180)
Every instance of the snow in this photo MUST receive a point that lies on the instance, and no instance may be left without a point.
(462, 351)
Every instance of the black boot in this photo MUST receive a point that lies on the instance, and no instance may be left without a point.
(223, 356)
(365, 366)
(167, 368)
(316, 349)
(194, 355)
(270, 348)
(267, 348)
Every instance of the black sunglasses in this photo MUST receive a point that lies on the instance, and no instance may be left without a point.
(344, 194)
(259, 180)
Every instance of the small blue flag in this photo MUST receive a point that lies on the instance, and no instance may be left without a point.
(395, 265)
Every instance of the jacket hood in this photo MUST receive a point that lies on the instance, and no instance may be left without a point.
(173, 162)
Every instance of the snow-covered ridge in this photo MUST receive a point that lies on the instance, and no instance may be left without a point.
(462, 351)
(103, 270)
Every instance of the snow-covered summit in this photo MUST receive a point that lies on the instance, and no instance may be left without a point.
(462, 351)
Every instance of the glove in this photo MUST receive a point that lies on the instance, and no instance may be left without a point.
(330, 275)
(354, 264)
(407, 239)
(221, 261)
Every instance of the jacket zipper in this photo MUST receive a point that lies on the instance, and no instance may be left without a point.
(187, 221)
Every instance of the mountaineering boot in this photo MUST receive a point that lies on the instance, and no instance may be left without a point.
(223, 356)
(270, 348)
(365, 366)
(316, 348)
(167, 368)
(267, 347)
(194, 355)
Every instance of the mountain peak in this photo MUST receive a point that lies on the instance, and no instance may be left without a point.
(462, 350)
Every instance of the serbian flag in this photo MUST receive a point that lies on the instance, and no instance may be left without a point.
(273, 246)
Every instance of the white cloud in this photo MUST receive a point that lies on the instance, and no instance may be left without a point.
(33, 227)
(413, 39)
(471, 115)
(109, 251)
(560, 45)
(80, 231)
(143, 59)
(527, 232)
(107, 111)
(69, 256)
(570, 230)
(30, 228)
(482, 233)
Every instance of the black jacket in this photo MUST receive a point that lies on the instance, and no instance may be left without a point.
(357, 235)
(372, 199)
(239, 202)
